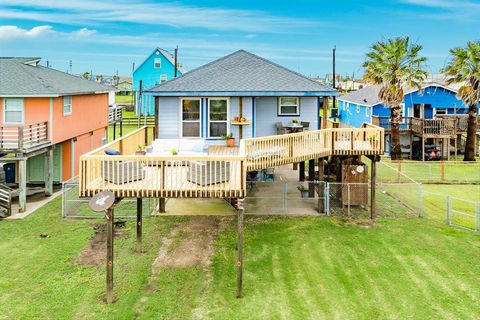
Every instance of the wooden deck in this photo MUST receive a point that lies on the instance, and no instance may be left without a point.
(221, 173)
(445, 126)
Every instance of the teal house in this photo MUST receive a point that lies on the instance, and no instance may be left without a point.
(156, 69)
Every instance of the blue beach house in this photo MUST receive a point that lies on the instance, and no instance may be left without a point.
(427, 107)
(157, 68)
(207, 102)
(357, 107)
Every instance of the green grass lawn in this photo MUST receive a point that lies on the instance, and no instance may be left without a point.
(123, 99)
(295, 268)
(428, 171)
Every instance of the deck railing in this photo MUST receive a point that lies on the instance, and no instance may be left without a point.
(222, 176)
(115, 114)
(22, 137)
(427, 127)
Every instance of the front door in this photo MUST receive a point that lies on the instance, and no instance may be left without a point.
(417, 110)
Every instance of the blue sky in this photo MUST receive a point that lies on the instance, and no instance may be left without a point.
(108, 36)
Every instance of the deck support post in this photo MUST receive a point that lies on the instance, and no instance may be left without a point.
(321, 187)
(161, 205)
(325, 112)
(110, 237)
(138, 247)
(22, 185)
(311, 178)
(423, 148)
(114, 130)
(373, 180)
(411, 145)
(157, 110)
(456, 146)
(239, 265)
(49, 172)
(301, 171)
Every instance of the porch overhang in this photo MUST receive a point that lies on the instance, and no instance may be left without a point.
(241, 93)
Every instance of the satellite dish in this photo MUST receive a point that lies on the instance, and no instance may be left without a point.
(360, 169)
(102, 201)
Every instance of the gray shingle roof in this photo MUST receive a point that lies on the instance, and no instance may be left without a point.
(367, 96)
(18, 78)
(242, 71)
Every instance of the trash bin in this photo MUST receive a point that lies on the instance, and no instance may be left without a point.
(9, 169)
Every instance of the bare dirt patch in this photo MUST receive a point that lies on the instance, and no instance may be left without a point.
(94, 253)
(189, 244)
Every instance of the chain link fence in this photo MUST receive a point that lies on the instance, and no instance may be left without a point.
(75, 207)
(428, 172)
(280, 197)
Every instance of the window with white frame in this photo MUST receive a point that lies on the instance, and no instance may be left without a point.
(190, 109)
(344, 106)
(288, 106)
(357, 108)
(163, 78)
(13, 110)
(217, 117)
(157, 63)
(440, 111)
(368, 111)
(67, 105)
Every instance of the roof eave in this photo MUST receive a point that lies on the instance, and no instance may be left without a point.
(241, 93)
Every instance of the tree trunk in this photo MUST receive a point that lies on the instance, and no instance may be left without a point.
(471, 133)
(395, 148)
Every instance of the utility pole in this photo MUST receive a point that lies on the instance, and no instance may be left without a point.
(140, 106)
(176, 62)
(334, 76)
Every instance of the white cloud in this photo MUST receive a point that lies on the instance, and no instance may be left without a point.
(143, 12)
(452, 10)
(84, 32)
(10, 32)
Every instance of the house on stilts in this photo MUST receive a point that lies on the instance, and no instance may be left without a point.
(432, 119)
(272, 113)
(48, 120)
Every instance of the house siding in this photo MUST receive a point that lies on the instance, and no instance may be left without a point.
(432, 97)
(354, 115)
(266, 114)
(169, 118)
(261, 112)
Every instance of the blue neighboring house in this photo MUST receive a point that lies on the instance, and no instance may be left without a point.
(158, 68)
(357, 107)
(204, 102)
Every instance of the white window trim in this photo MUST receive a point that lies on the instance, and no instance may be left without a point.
(155, 64)
(208, 116)
(4, 102)
(63, 106)
(436, 109)
(199, 119)
(279, 111)
(163, 76)
(367, 113)
(357, 109)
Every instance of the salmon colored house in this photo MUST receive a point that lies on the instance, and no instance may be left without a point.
(48, 119)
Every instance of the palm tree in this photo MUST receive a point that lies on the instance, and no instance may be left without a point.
(464, 68)
(395, 64)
